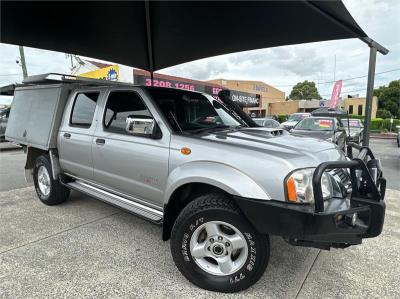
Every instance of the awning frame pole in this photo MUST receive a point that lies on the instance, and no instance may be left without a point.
(370, 92)
(149, 40)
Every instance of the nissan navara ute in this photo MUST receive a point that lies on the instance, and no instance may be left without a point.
(218, 183)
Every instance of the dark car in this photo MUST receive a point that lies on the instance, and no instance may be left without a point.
(354, 129)
(4, 113)
(267, 122)
(326, 128)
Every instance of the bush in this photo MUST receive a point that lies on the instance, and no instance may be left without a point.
(282, 117)
(383, 113)
(356, 116)
(380, 124)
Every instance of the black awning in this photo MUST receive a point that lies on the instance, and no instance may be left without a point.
(152, 35)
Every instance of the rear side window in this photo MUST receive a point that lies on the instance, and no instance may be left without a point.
(83, 109)
(120, 105)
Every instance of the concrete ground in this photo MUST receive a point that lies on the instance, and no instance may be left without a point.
(87, 249)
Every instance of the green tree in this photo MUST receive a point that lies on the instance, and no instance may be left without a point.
(389, 97)
(305, 90)
(383, 113)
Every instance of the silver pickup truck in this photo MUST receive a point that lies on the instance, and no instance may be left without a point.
(217, 182)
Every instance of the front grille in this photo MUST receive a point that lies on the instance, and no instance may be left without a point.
(343, 176)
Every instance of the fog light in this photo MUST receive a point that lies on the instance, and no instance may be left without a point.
(351, 219)
(354, 219)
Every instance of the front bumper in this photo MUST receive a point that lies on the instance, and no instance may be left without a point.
(332, 223)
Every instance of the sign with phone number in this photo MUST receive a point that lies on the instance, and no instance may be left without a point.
(243, 99)
(163, 83)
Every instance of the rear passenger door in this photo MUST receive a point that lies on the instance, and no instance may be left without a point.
(76, 134)
(136, 166)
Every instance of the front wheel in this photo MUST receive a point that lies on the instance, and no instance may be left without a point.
(216, 248)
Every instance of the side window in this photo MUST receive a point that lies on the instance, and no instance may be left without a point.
(83, 109)
(120, 105)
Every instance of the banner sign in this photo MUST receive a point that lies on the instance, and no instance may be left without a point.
(335, 94)
(110, 73)
(244, 99)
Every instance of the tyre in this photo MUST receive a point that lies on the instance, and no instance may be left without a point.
(49, 191)
(216, 248)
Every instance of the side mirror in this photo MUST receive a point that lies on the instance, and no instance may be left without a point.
(140, 125)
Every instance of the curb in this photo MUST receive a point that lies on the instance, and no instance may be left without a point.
(9, 147)
(383, 137)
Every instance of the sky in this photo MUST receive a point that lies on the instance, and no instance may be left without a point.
(281, 67)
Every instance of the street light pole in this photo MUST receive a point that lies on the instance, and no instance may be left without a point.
(23, 63)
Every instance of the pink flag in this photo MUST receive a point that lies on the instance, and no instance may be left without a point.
(336, 93)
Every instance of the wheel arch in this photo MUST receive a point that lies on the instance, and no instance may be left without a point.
(193, 179)
(32, 153)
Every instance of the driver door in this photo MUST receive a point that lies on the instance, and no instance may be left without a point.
(136, 166)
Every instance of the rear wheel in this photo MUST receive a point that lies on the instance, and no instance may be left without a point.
(216, 248)
(49, 191)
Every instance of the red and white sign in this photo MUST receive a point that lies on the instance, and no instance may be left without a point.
(335, 94)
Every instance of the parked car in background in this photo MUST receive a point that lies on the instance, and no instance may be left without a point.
(293, 120)
(354, 129)
(267, 122)
(325, 128)
(4, 114)
(398, 136)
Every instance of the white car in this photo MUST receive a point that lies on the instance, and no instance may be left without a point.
(293, 120)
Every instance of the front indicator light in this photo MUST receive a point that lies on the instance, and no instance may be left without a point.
(291, 190)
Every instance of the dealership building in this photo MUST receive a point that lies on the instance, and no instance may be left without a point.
(257, 98)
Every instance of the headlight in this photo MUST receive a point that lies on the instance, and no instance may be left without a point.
(299, 187)
(329, 139)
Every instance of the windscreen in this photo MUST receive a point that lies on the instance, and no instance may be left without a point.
(192, 112)
(315, 124)
(353, 123)
(259, 121)
(297, 117)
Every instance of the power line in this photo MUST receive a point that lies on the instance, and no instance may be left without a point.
(344, 92)
(348, 79)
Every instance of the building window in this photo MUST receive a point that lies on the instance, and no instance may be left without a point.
(360, 110)
(350, 109)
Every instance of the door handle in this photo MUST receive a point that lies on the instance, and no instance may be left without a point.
(100, 141)
(67, 135)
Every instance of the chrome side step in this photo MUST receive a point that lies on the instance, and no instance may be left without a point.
(119, 201)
